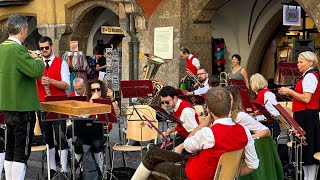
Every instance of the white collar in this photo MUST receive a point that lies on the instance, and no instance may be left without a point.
(15, 40)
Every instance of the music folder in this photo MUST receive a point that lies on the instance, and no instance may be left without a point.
(136, 88)
(300, 132)
(265, 112)
(78, 98)
(164, 114)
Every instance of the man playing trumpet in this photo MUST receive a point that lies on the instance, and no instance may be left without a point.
(203, 87)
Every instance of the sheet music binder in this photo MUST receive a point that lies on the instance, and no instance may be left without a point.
(137, 88)
(51, 115)
(78, 98)
(246, 101)
(264, 111)
(289, 69)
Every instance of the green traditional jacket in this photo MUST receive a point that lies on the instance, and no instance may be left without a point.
(18, 74)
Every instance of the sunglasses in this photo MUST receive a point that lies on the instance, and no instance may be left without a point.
(46, 48)
(167, 102)
(96, 89)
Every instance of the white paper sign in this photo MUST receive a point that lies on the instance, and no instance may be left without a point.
(291, 15)
(163, 42)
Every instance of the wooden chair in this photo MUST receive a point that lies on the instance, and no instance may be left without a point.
(137, 129)
(229, 165)
(42, 148)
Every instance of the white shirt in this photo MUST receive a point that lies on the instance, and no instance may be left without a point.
(249, 122)
(195, 61)
(269, 101)
(15, 40)
(309, 82)
(204, 139)
(202, 90)
(188, 117)
(65, 73)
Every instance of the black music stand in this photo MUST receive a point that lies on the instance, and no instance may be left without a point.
(298, 141)
(239, 83)
(289, 69)
(137, 88)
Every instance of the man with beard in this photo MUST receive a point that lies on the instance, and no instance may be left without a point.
(56, 81)
(202, 76)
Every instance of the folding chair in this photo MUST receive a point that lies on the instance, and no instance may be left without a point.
(229, 165)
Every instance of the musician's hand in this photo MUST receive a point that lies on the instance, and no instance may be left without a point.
(95, 96)
(45, 80)
(284, 91)
(166, 133)
(179, 149)
(32, 54)
(183, 79)
(110, 93)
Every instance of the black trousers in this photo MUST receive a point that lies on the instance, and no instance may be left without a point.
(165, 164)
(309, 122)
(51, 133)
(20, 126)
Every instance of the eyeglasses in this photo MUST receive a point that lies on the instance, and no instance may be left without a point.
(45, 47)
(167, 102)
(96, 89)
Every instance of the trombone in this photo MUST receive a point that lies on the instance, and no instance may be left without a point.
(223, 77)
(192, 76)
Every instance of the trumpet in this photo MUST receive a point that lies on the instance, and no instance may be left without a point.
(223, 79)
(192, 76)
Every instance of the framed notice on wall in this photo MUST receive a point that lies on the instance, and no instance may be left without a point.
(163, 42)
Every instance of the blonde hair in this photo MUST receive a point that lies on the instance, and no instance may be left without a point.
(310, 56)
(258, 82)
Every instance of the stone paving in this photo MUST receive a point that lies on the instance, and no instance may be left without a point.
(132, 159)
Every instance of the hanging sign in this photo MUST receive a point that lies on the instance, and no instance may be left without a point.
(291, 15)
(111, 30)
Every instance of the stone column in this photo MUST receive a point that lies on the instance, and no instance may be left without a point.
(56, 32)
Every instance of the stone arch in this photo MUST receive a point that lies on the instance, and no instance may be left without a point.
(204, 10)
(85, 12)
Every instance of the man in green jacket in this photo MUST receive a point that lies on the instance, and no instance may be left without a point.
(19, 69)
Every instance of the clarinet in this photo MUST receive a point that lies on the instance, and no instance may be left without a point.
(46, 87)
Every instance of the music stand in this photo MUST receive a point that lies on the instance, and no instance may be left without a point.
(298, 141)
(289, 69)
(182, 95)
(270, 118)
(239, 83)
(136, 88)
(246, 101)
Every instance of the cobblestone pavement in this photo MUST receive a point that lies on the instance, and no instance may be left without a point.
(34, 170)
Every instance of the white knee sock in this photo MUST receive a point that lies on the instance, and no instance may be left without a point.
(78, 157)
(64, 159)
(305, 172)
(2, 156)
(52, 155)
(312, 172)
(8, 169)
(99, 159)
(141, 173)
(19, 171)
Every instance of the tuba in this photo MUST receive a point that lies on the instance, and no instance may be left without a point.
(150, 70)
(223, 77)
